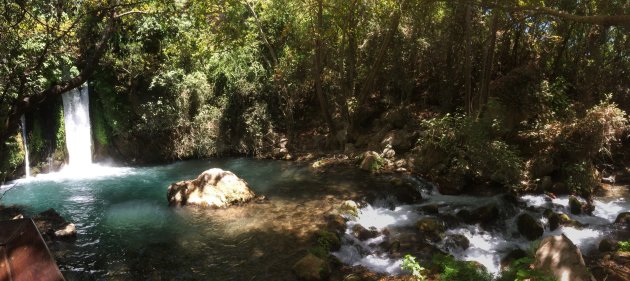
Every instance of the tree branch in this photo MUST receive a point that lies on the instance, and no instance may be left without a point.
(605, 20)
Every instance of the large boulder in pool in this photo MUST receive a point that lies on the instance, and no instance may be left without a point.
(558, 256)
(214, 188)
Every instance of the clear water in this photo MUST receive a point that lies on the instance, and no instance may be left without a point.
(126, 231)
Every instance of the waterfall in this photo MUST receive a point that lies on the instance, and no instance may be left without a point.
(76, 116)
(27, 163)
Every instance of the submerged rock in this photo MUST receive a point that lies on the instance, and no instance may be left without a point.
(431, 228)
(214, 188)
(456, 242)
(311, 268)
(558, 256)
(362, 233)
(529, 227)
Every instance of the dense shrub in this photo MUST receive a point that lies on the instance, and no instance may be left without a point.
(460, 146)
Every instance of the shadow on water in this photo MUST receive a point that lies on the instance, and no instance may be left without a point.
(126, 231)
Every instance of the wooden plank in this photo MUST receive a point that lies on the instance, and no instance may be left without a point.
(24, 255)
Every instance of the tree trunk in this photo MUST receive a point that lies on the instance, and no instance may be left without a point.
(368, 83)
(319, 69)
(468, 60)
(488, 63)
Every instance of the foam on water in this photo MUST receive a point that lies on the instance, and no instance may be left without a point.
(486, 246)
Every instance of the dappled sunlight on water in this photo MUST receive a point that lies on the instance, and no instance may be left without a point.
(126, 231)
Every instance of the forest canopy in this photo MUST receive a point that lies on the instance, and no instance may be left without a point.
(204, 78)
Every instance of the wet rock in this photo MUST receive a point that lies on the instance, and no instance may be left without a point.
(214, 188)
(432, 209)
(529, 227)
(512, 256)
(431, 228)
(10, 212)
(456, 242)
(575, 206)
(371, 162)
(484, 214)
(69, 230)
(405, 192)
(362, 233)
(607, 245)
(311, 268)
(52, 226)
(558, 256)
(560, 219)
(623, 218)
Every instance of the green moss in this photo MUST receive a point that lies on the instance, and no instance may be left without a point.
(624, 246)
(520, 270)
(12, 156)
(452, 269)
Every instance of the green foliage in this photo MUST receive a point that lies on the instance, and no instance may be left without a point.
(467, 147)
(581, 177)
(624, 246)
(520, 270)
(12, 157)
(452, 269)
(412, 266)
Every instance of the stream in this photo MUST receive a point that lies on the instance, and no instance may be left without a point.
(488, 243)
(126, 231)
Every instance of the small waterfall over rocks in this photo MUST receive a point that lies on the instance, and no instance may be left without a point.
(487, 244)
(76, 113)
(27, 163)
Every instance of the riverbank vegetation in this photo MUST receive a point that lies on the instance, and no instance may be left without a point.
(522, 95)
(477, 96)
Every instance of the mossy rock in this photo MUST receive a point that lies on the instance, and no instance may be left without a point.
(561, 219)
(575, 206)
(328, 240)
(512, 256)
(372, 162)
(457, 242)
(431, 228)
(311, 268)
(349, 208)
(529, 227)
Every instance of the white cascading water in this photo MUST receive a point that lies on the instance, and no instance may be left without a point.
(486, 246)
(76, 113)
(27, 163)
